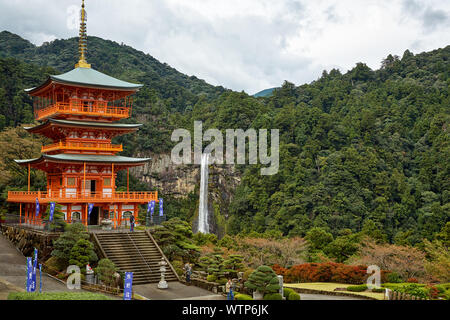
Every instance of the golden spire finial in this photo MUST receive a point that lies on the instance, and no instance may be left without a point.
(82, 43)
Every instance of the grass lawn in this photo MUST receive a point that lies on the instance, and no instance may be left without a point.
(57, 296)
(329, 287)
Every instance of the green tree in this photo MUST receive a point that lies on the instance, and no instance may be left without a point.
(62, 247)
(83, 254)
(264, 280)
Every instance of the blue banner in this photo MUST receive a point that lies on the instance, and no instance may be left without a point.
(40, 278)
(152, 208)
(90, 207)
(33, 277)
(29, 273)
(52, 211)
(37, 207)
(149, 206)
(161, 211)
(128, 286)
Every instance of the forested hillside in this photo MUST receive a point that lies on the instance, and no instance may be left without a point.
(361, 150)
(367, 148)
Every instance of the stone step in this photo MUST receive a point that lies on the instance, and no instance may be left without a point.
(137, 253)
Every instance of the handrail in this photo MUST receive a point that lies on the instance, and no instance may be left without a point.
(94, 109)
(83, 146)
(142, 257)
(162, 253)
(57, 195)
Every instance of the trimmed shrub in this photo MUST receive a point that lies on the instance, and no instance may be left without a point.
(211, 278)
(222, 281)
(287, 292)
(264, 280)
(273, 296)
(378, 290)
(106, 270)
(82, 254)
(294, 296)
(242, 296)
(394, 277)
(359, 288)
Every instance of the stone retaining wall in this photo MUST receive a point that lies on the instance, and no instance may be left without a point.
(25, 240)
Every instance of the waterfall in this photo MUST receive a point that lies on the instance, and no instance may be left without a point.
(203, 224)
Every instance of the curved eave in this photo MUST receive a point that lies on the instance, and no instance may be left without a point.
(85, 124)
(88, 78)
(80, 159)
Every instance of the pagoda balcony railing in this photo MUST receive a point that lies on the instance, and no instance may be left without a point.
(60, 196)
(83, 146)
(78, 107)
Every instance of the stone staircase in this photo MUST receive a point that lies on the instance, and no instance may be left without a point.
(135, 252)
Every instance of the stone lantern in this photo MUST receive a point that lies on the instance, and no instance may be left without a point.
(162, 268)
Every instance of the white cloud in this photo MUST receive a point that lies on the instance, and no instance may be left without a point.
(247, 44)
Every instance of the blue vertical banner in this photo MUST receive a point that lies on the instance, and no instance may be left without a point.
(161, 210)
(52, 211)
(37, 207)
(152, 208)
(33, 277)
(128, 286)
(90, 207)
(40, 278)
(149, 206)
(29, 273)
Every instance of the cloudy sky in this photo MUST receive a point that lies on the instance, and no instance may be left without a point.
(246, 45)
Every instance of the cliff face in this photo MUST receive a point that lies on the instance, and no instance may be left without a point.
(178, 181)
(172, 180)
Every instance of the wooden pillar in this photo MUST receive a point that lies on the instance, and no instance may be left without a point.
(69, 212)
(84, 180)
(115, 217)
(135, 212)
(20, 213)
(86, 214)
(29, 177)
(128, 180)
(120, 214)
(113, 182)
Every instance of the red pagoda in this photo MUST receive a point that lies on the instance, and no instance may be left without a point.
(79, 111)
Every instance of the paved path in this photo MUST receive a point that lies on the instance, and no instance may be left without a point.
(176, 291)
(13, 272)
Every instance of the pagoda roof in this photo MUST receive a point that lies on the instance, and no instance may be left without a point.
(88, 77)
(101, 125)
(81, 158)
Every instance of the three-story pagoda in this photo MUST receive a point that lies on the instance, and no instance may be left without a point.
(79, 111)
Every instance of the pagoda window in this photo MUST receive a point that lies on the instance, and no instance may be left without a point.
(107, 182)
(71, 182)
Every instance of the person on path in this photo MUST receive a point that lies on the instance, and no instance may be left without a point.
(132, 223)
(229, 290)
(188, 272)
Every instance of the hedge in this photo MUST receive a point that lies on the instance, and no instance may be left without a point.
(287, 292)
(359, 288)
(273, 296)
(242, 296)
(294, 296)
